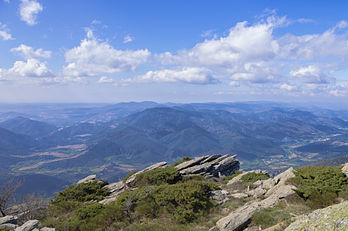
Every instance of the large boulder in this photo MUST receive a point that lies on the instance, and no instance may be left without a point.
(345, 169)
(28, 226)
(116, 189)
(8, 219)
(334, 217)
(88, 179)
(210, 166)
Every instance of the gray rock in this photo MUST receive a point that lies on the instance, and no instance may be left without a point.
(8, 219)
(195, 161)
(345, 169)
(269, 183)
(331, 218)
(28, 226)
(219, 195)
(115, 187)
(240, 218)
(210, 166)
(239, 195)
(88, 179)
(256, 192)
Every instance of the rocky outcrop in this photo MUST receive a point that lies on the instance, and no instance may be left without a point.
(119, 187)
(345, 169)
(88, 179)
(116, 189)
(274, 189)
(210, 166)
(334, 217)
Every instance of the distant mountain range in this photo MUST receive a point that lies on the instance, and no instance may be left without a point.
(74, 140)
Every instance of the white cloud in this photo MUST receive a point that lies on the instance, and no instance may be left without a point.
(30, 68)
(29, 53)
(94, 58)
(105, 79)
(7, 1)
(192, 75)
(128, 39)
(28, 10)
(311, 74)
(252, 54)
(4, 32)
(288, 87)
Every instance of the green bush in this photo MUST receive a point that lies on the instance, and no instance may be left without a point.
(184, 159)
(230, 177)
(252, 177)
(89, 211)
(82, 192)
(167, 175)
(319, 186)
(186, 201)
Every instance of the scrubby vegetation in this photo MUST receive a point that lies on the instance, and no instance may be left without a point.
(252, 177)
(162, 199)
(82, 192)
(161, 194)
(158, 176)
(317, 187)
(320, 186)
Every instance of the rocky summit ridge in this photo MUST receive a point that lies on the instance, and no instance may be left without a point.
(263, 193)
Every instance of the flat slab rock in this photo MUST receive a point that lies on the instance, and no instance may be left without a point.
(214, 165)
(88, 179)
(28, 226)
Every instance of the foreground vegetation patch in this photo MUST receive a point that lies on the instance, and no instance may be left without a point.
(320, 186)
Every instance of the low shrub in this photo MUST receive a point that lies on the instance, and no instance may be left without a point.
(82, 192)
(89, 211)
(252, 177)
(158, 176)
(185, 201)
(319, 186)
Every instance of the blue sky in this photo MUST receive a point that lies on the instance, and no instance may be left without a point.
(178, 51)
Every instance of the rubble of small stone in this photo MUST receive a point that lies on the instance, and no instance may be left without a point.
(261, 194)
